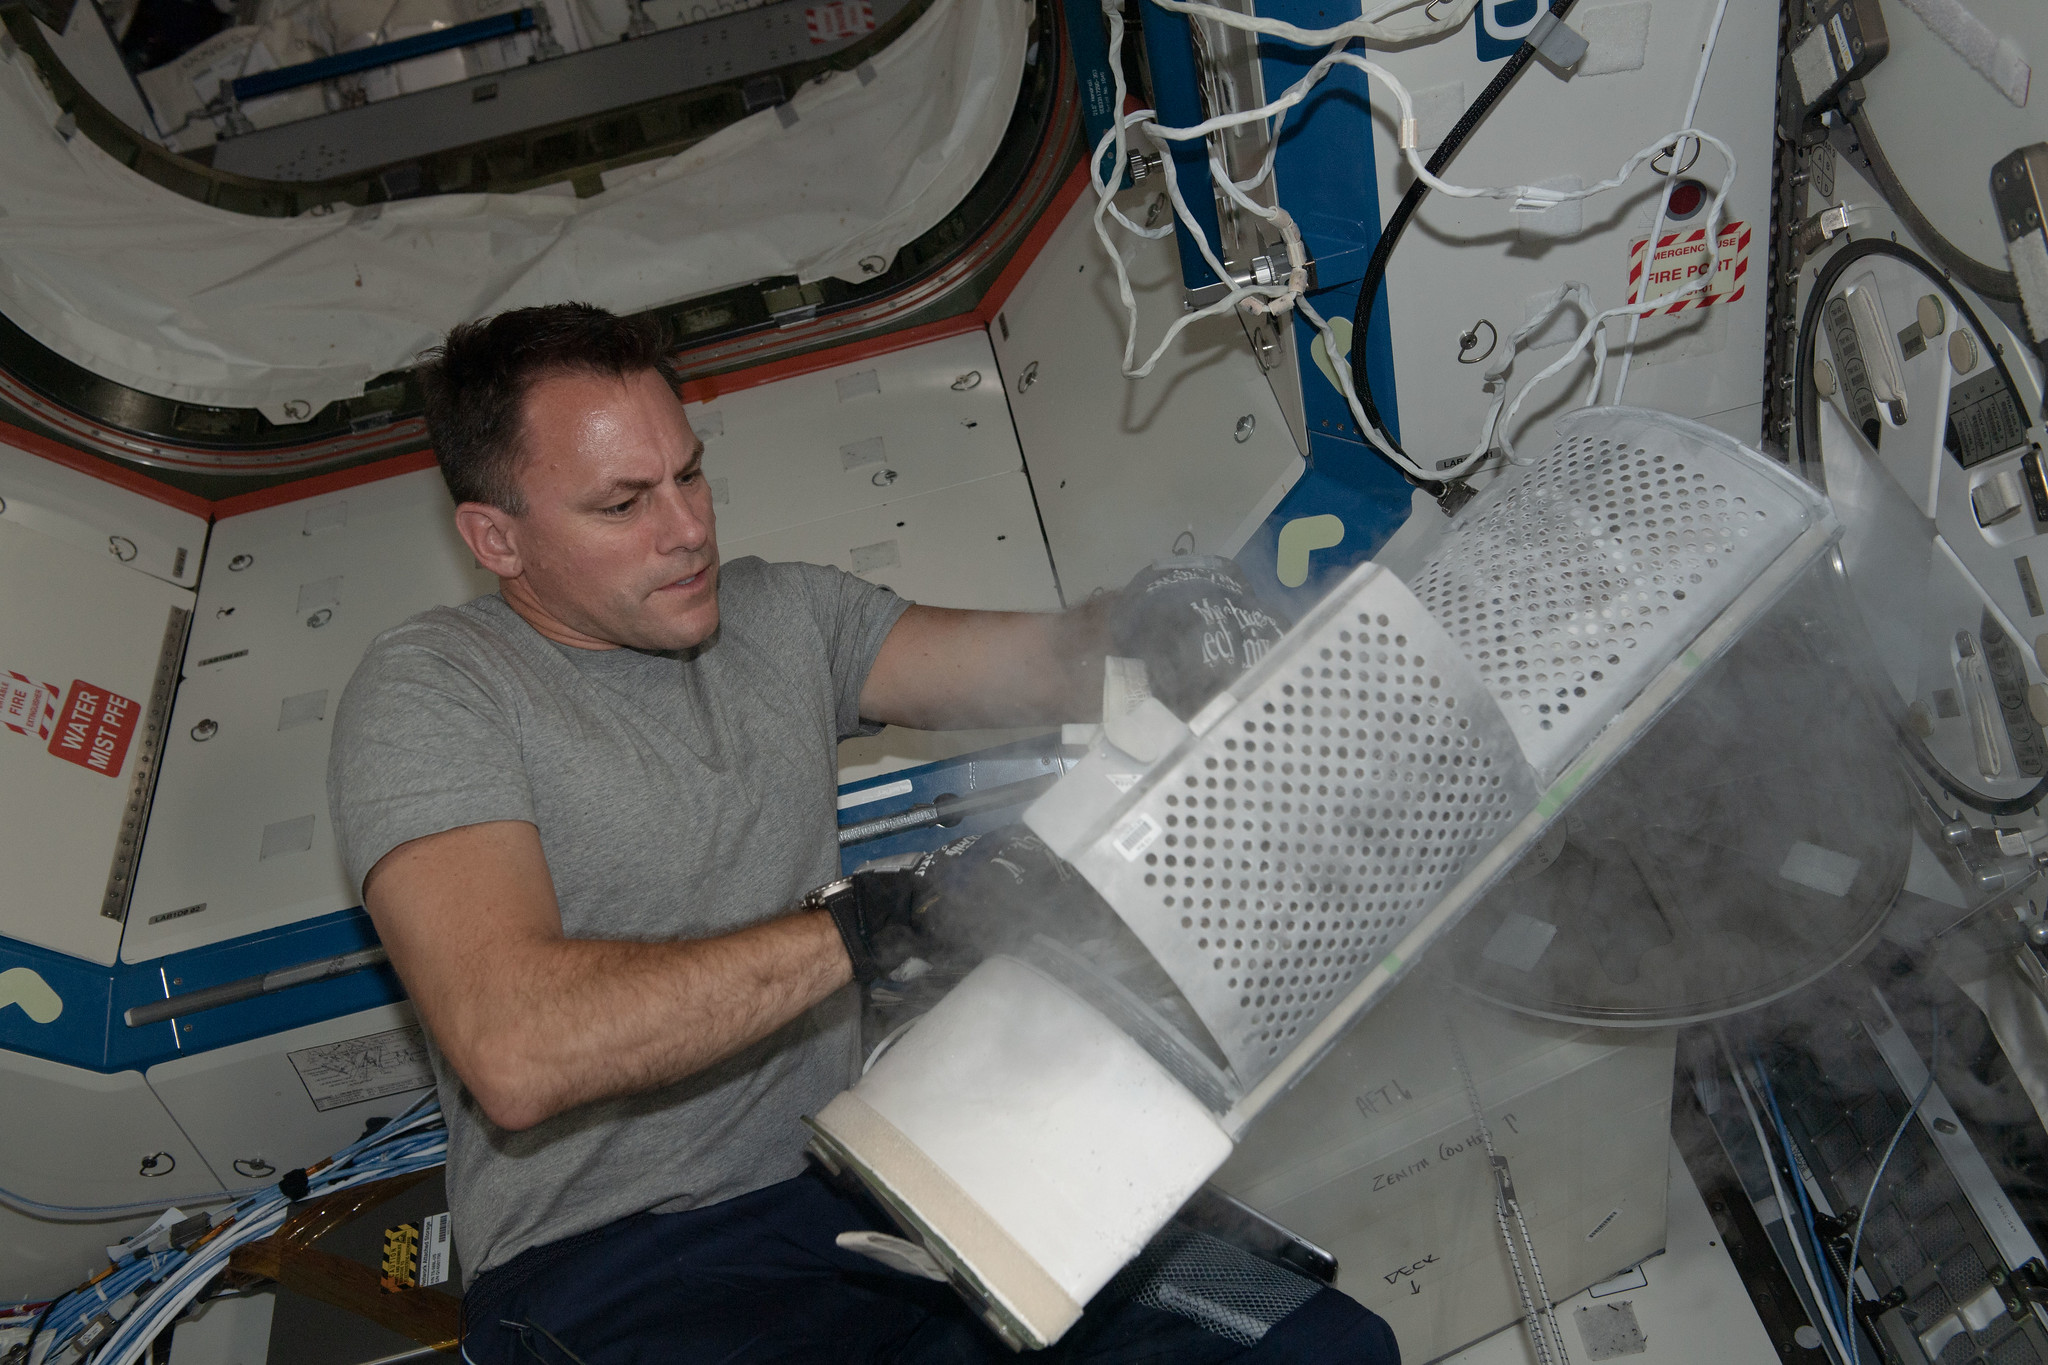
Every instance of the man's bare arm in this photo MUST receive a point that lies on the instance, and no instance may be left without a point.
(947, 670)
(536, 1023)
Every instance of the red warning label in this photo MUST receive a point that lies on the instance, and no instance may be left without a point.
(1682, 258)
(839, 20)
(27, 707)
(94, 728)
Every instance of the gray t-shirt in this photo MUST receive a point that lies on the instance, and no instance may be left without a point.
(676, 797)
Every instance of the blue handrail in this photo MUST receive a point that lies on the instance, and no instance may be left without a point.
(383, 54)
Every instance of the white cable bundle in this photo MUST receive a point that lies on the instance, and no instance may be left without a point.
(1279, 297)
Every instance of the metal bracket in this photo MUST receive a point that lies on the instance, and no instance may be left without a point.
(149, 749)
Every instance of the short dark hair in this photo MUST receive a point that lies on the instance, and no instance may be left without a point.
(476, 383)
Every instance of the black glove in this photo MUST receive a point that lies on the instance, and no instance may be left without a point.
(952, 906)
(1196, 623)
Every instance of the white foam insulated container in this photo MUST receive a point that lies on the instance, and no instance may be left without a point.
(1028, 1142)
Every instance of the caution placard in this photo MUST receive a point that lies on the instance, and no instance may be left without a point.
(28, 707)
(95, 728)
(840, 19)
(1681, 258)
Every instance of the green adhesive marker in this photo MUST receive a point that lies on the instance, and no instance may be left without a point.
(1560, 792)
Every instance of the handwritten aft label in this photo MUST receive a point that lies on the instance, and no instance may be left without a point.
(1373, 1103)
(95, 728)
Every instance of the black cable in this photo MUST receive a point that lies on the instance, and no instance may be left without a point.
(1397, 223)
(1917, 750)
(1806, 421)
(1806, 411)
(35, 1328)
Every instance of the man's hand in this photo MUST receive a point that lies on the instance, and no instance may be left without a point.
(954, 905)
(536, 1023)
(1197, 624)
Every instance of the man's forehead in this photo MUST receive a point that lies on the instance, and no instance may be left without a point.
(594, 427)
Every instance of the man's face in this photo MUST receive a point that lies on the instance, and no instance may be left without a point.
(617, 545)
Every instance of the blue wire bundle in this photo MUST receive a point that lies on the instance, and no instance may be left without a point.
(1839, 1301)
(163, 1282)
(1832, 1295)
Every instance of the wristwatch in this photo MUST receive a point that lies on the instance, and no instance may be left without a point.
(839, 900)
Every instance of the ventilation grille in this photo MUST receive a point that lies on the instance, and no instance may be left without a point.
(1274, 860)
(1569, 583)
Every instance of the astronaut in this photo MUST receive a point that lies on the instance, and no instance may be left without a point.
(584, 812)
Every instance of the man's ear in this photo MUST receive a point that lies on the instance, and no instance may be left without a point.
(487, 530)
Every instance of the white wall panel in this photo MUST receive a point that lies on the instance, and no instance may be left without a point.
(74, 623)
(855, 436)
(78, 1138)
(240, 821)
(971, 545)
(157, 539)
(1942, 124)
(1464, 260)
(1126, 470)
(253, 1112)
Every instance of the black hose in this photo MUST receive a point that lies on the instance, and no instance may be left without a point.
(1806, 423)
(1916, 748)
(1806, 410)
(1397, 223)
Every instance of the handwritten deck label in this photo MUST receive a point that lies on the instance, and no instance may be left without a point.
(94, 728)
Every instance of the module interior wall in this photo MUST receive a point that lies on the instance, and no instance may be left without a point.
(1128, 471)
(881, 466)
(75, 624)
(1465, 260)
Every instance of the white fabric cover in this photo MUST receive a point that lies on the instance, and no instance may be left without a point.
(150, 289)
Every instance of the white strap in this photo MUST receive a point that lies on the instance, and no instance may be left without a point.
(1997, 59)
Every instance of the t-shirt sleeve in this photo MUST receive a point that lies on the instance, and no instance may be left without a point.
(420, 745)
(853, 616)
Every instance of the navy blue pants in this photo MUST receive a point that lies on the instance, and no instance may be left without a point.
(759, 1278)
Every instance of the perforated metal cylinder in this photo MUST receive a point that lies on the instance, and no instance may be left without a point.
(1270, 862)
(1334, 811)
(1570, 583)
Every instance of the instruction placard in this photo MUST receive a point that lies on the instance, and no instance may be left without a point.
(1682, 258)
(358, 1069)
